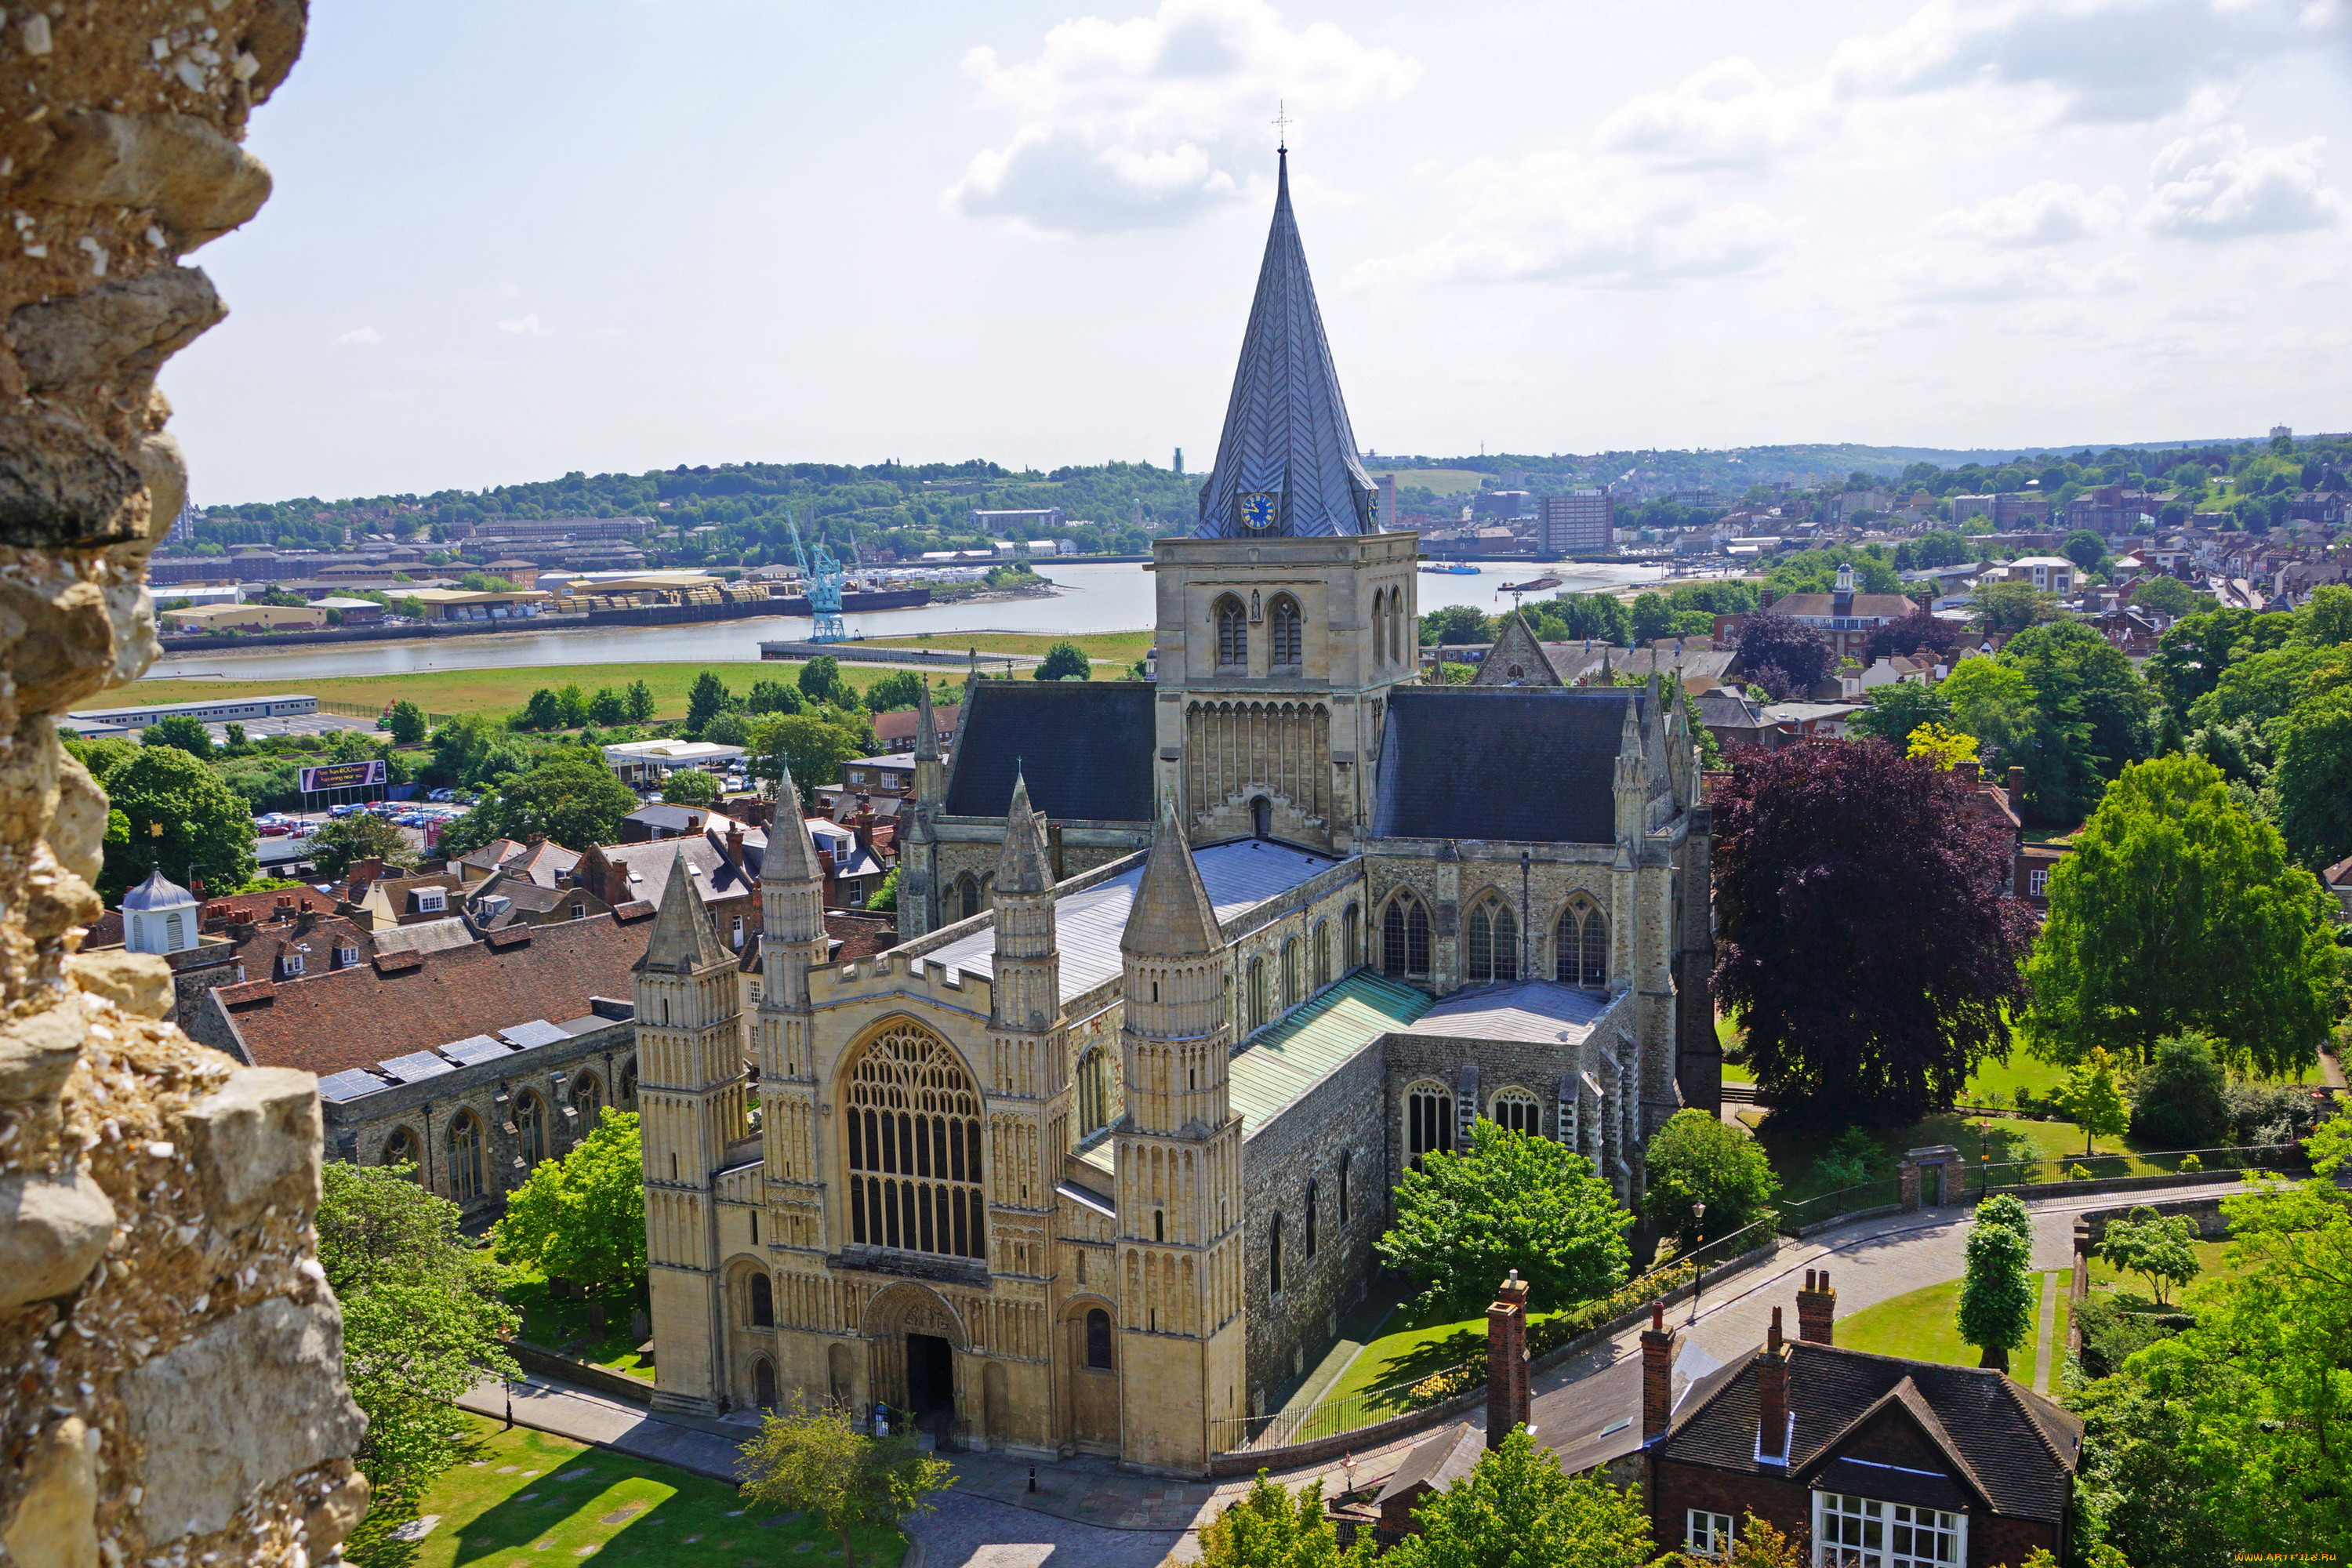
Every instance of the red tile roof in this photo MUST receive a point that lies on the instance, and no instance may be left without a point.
(410, 1002)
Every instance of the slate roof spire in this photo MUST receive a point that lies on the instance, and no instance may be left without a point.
(683, 941)
(1287, 435)
(1173, 917)
(1023, 863)
(789, 857)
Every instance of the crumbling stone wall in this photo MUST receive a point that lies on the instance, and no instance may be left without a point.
(172, 1356)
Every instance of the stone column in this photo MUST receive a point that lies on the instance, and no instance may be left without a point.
(152, 1192)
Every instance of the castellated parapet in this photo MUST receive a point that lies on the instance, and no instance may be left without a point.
(171, 1354)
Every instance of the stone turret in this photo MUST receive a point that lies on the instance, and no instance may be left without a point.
(1178, 993)
(1028, 991)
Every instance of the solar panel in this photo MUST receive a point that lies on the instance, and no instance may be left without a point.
(537, 1032)
(475, 1049)
(348, 1085)
(416, 1067)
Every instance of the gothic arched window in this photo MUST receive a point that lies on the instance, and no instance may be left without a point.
(1093, 1092)
(1256, 999)
(1347, 1162)
(1404, 938)
(914, 1117)
(626, 1096)
(1099, 1338)
(588, 1100)
(1274, 1256)
(1310, 1220)
(530, 1130)
(764, 1302)
(1288, 640)
(1428, 1121)
(1400, 646)
(1322, 954)
(1379, 625)
(1514, 1110)
(1233, 636)
(400, 1148)
(966, 897)
(1580, 946)
(1493, 942)
(1350, 930)
(1292, 983)
(763, 1383)
(465, 1157)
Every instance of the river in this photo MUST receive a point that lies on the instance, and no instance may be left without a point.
(1098, 597)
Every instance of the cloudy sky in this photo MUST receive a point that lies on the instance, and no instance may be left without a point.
(516, 237)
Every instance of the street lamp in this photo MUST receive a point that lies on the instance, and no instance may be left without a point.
(1698, 1277)
(1984, 1161)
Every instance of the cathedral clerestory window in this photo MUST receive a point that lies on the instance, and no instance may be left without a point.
(1493, 942)
(1287, 635)
(1404, 938)
(1580, 946)
(1233, 636)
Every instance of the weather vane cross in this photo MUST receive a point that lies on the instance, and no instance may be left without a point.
(1281, 126)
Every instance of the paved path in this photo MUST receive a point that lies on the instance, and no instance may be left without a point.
(1087, 1514)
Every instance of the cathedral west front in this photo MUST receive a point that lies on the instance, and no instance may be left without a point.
(1192, 970)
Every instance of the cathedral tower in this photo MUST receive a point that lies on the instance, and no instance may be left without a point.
(1179, 1170)
(792, 943)
(1289, 611)
(692, 1106)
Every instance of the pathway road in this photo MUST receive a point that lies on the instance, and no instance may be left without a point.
(1087, 1515)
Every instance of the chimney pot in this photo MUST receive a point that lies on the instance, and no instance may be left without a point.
(1657, 1373)
(1772, 1398)
(1506, 1361)
(1817, 1308)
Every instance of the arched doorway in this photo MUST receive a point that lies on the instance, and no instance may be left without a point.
(763, 1383)
(912, 1337)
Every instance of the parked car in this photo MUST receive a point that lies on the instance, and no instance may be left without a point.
(442, 795)
(270, 829)
(345, 809)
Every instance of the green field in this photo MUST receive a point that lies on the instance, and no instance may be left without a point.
(1440, 481)
(525, 1498)
(1120, 649)
(490, 691)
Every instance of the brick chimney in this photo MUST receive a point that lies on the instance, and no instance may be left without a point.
(1657, 1373)
(2017, 791)
(735, 841)
(1816, 1309)
(1772, 1398)
(1506, 1361)
(1764, 598)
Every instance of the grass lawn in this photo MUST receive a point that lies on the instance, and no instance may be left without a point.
(1924, 1325)
(496, 690)
(1410, 1350)
(2212, 1263)
(1436, 481)
(569, 1328)
(524, 1498)
(1121, 649)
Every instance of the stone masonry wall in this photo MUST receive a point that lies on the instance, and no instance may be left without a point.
(172, 1356)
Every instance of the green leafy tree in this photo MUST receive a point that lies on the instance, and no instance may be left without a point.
(2011, 606)
(899, 689)
(1997, 1296)
(177, 813)
(2085, 549)
(1898, 710)
(2314, 780)
(1989, 700)
(2170, 869)
(1453, 624)
(640, 698)
(2139, 1495)
(2180, 1100)
(1601, 617)
(885, 898)
(2094, 717)
(2092, 1098)
(813, 747)
(2327, 619)
(2166, 596)
(405, 724)
(341, 841)
(2159, 1248)
(706, 701)
(1274, 1527)
(728, 729)
(816, 1461)
(571, 706)
(2194, 652)
(183, 731)
(689, 786)
(820, 680)
(608, 707)
(540, 710)
(582, 1217)
(1695, 1159)
(423, 1317)
(1517, 1509)
(1509, 1200)
(568, 794)
(1066, 661)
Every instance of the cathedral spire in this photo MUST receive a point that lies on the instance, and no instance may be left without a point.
(1025, 863)
(683, 939)
(1286, 461)
(790, 855)
(1173, 917)
(927, 727)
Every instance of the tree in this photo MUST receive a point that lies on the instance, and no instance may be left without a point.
(205, 830)
(1991, 701)
(884, 898)
(582, 1217)
(1996, 1295)
(1771, 641)
(571, 706)
(899, 689)
(1911, 633)
(2092, 717)
(1896, 711)
(1815, 844)
(2158, 1247)
(2313, 779)
(2178, 911)
(2166, 596)
(1695, 1158)
(608, 707)
(706, 701)
(1517, 1509)
(569, 795)
(2085, 549)
(689, 786)
(2011, 606)
(2328, 618)
(405, 724)
(812, 747)
(423, 1317)
(2092, 1099)
(820, 680)
(2195, 651)
(540, 710)
(1453, 625)
(1947, 748)
(773, 697)
(1509, 1200)
(341, 841)
(2139, 1495)
(1066, 661)
(1273, 1527)
(817, 1461)
(1759, 1546)
(1595, 617)
(640, 699)
(2178, 1100)
(183, 731)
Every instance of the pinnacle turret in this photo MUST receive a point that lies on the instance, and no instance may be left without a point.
(1173, 917)
(683, 941)
(1025, 863)
(791, 855)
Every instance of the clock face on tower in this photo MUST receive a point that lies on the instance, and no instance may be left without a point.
(1257, 511)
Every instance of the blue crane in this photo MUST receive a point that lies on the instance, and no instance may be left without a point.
(823, 579)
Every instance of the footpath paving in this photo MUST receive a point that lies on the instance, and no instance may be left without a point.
(1086, 1514)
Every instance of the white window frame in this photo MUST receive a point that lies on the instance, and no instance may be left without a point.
(2037, 883)
(347, 956)
(1708, 1534)
(293, 961)
(432, 901)
(1889, 1518)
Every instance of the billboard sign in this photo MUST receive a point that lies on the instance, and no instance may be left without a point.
(343, 775)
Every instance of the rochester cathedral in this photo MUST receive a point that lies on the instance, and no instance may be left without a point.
(1193, 969)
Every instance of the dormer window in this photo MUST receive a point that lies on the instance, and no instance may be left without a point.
(292, 962)
(432, 901)
(346, 956)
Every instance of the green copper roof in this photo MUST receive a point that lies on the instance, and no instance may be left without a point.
(1317, 1038)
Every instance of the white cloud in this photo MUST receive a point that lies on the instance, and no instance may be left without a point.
(1156, 119)
(527, 326)
(360, 337)
(1728, 115)
(2216, 185)
(1948, 277)
(2046, 213)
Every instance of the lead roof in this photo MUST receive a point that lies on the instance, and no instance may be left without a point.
(1515, 763)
